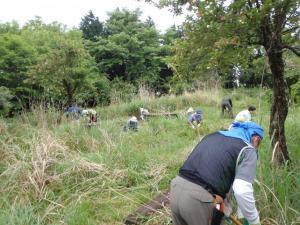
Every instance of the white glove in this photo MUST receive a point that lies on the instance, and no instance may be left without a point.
(193, 126)
(199, 125)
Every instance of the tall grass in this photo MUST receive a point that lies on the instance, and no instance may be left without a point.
(66, 173)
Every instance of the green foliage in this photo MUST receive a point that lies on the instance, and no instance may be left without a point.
(293, 76)
(49, 63)
(12, 27)
(83, 213)
(5, 104)
(171, 34)
(221, 37)
(64, 71)
(122, 91)
(296, 92)
(18, 214)
(132, 51)
(91, 26)
(16, 55)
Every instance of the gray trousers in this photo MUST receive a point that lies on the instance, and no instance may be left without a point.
(190, 203)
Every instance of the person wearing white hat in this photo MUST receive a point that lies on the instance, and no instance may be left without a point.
(132, 124)
(144, 113)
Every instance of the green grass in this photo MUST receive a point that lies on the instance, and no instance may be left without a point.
(65, 173)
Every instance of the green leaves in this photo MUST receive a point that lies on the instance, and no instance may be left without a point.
(48, 63)
(64, 70)
(91, 26)
(131, 51)
(5, 104)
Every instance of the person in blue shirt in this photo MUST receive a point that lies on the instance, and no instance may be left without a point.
(73, 112)
(195, 118)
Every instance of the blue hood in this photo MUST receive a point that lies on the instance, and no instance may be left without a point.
(244, 131)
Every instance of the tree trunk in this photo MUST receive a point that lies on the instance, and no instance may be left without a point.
(279, 108)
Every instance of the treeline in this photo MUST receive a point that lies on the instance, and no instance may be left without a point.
(52, 64)
(103, 61)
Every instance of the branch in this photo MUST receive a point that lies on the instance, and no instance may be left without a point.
(295, 50)
(290, 30)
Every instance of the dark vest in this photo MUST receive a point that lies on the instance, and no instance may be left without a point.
(212, 163)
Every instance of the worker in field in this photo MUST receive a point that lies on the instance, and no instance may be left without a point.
(195, 119)
(221, 160)
(131, 125)
(190, 111)
(226, 106)
(246, 114)
(144, 113)
(92, 114)
(73, 112)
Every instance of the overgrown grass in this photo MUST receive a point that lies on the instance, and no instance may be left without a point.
(65, 173)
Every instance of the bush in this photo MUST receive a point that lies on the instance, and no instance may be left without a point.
(122, 91)
(97, 93)
(296, 92)
(5, 104)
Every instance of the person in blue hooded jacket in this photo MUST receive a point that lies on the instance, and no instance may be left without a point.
(221, 160)
(195, 117)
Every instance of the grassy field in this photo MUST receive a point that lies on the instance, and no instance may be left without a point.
(65, 173)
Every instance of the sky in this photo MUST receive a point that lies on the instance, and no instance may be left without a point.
(70, 12)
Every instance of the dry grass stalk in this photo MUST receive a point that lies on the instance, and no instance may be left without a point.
(81, 164)
(158, 172)
(145, 93)
(3, 126)
(44, 155)
(107, 139)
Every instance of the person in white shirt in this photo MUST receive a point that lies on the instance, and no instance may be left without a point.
(245, 115)
(144, 113)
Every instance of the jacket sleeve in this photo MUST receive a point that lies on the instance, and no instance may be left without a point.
(243, 192)
(242, 185)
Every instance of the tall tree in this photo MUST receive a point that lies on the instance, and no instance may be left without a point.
(64, 71)
(131, 50)
(16, 55)
(241, 24)
(91, 26)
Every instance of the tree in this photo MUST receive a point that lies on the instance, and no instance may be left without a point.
(130, 51)
(149, 21)
(274, 25)
(64, 71)
(16, 55)
(12, 27)
(91, 26)
(172, 33)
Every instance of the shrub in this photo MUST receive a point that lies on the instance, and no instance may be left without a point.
(5, 104)
(296, 92)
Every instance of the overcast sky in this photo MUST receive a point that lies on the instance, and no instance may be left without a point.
(70, 12)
